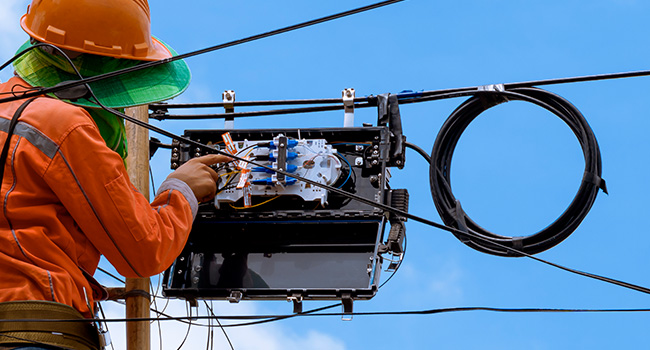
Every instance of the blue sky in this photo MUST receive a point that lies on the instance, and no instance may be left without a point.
(515, 169)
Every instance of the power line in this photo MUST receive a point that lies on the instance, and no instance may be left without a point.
(71, 84)
(272, 318)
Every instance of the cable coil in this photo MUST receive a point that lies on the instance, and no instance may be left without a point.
(449, 207)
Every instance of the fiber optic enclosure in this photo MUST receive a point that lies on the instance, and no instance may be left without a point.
(270, 236)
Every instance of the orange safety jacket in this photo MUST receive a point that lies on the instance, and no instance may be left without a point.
(66, 199)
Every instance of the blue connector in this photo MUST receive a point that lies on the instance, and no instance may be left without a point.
(405, 94)
(269, 182)
(290, 155)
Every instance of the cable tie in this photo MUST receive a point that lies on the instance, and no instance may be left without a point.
(459, 214)
(596, 180)
(517, 246)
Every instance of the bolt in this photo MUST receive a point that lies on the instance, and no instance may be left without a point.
(375, 162)
(180, 272)
(182, 258)
(197, 268)
(376, 147)
(398, 162)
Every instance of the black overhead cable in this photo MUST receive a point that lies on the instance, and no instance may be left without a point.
(272, 318)
(71, 84)
(160, 109)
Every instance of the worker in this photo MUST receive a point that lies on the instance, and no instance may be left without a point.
(66, 196)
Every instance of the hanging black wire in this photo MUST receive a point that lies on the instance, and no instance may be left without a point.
(272, 318)
(111, 275)
(189, 326)
(220, 325)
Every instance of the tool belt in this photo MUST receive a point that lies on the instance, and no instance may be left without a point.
(76, 334)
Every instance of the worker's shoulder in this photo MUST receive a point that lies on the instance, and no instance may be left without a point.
(53, 118)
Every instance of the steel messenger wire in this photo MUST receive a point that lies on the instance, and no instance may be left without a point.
(370, 101)
(312, 313)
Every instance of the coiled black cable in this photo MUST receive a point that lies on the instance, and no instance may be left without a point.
(449, 207)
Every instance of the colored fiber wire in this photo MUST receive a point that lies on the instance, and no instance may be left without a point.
(349, 170)
(254, 206)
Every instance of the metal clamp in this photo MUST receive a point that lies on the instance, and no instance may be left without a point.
(348, 104)
(228, 98)
(347, 302)
(235, 296)
(492, 87)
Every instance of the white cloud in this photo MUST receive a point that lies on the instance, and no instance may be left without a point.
(443, 280)
(269, 336)
(447, 284)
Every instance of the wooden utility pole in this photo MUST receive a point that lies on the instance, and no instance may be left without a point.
(138, 334)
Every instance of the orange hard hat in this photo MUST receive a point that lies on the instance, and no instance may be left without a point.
(115, 28)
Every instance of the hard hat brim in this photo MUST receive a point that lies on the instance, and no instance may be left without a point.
(149, 85)
(156, 50)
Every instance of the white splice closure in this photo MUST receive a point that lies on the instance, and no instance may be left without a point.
(313, 159)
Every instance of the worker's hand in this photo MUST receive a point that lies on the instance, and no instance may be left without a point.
(197, 173)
